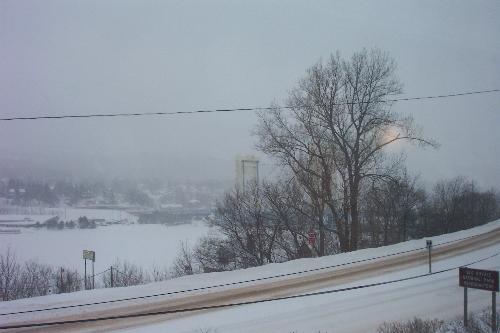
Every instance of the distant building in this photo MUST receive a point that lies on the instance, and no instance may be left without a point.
(11, 194)
(247, 170)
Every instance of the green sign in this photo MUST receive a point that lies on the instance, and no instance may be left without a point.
(89, 255)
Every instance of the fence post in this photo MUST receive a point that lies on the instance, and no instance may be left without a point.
(429, 247)
(111, 276)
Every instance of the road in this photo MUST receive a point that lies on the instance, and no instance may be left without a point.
(351, 274)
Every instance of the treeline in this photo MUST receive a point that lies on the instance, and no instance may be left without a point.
(31, 279)
(82, 223)
(400, 210)
(144, 193)
(23, 192)
(271, 222)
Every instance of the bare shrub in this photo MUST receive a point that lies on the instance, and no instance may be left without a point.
(67, 280)
(125, 274)
(35, 280)
(214, 254)
(9, 276)
(415, 325)
(184, 262)
(159, 274)
(485, 317)
(478, 323)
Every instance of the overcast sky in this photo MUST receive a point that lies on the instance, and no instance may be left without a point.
(81, 57)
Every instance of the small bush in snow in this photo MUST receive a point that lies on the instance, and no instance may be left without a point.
(478, 323)
(415, 325)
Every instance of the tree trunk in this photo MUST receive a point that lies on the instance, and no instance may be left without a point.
(353, 200)
(321, 227)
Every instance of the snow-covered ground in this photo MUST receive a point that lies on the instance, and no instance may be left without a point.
(360, 310)
(146, 245)
(352, 311)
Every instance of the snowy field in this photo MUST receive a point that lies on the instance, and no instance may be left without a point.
(147, 245)
(436, 296)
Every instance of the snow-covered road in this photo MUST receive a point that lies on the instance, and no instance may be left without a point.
(351, 311)
(361, 310)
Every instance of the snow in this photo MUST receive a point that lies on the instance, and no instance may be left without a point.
(147, 245)
(353, 311)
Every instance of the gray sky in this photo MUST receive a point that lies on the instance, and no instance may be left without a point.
(80, 57)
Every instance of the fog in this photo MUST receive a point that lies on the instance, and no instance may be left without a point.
(88, 57)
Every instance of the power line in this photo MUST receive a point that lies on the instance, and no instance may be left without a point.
(236, 282)
(211, 307)
(138, 114)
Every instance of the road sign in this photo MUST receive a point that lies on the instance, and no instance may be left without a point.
(478, 279)
(89, 255)
(312, 237)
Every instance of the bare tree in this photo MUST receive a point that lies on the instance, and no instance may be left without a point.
(245, 220)
(214, 254)
(458, 204)
(125, 274)
(35, 279)
(9, 275)
(184, 262)
(390, 209)
(290, 208)
(67, 280)
(334, 136)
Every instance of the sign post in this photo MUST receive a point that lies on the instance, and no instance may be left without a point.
(494, 311)
(89, 255)
(85, 273)
(480, 279)
(312, 237)
(429, 247)
(466, 312)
